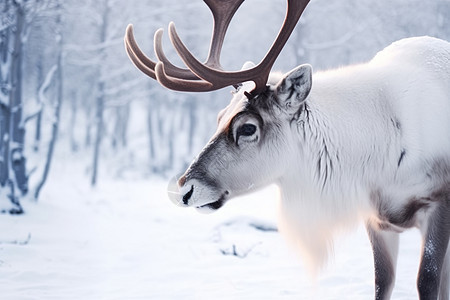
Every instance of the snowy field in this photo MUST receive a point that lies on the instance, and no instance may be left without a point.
(125, 240)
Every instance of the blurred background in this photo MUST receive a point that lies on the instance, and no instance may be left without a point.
(70, 96)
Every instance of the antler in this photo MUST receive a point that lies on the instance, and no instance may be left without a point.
(209, 76)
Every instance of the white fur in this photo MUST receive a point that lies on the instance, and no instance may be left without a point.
(352, 110)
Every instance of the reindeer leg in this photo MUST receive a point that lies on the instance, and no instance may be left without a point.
(444, 289)
(385, 250)
(435, 246)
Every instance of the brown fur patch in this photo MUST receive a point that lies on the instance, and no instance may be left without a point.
(404, 217)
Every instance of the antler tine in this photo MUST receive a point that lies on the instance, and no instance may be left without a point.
(139, 59)
(223, 11)
(218, 78)
(182, 85)
(294, 10)
(145, 64)
(180, 73)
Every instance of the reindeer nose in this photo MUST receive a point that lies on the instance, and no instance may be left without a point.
(182, 180)
(180, 193)
(188, 195)
(176, 195)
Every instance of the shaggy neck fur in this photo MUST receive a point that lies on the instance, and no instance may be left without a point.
(326, 189)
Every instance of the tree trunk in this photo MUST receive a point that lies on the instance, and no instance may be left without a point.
(192, 107)
(12, 133)
(17, 128)
(99, 131)
(100, 98)
(73, 120)
(5, 91)
(87, 136)
(119, 135)
(125, 112)
(150, 131)
(40, 82)
(57, 109)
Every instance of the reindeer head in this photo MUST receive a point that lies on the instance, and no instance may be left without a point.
(250, 148)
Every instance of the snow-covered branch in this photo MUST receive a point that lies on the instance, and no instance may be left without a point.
(46, 84)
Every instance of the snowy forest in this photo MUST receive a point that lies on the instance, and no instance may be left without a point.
(73, 106)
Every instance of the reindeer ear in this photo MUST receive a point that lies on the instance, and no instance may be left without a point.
(294, 87)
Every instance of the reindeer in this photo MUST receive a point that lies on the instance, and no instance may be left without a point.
(367, 142)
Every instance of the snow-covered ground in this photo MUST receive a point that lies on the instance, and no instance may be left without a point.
(125, 240)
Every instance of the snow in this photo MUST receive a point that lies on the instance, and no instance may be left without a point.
(126, 240)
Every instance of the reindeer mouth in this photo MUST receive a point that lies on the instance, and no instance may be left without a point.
(214, 205)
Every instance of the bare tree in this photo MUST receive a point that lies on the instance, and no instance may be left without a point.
(100, 97)
(13, 170)
(57, 103)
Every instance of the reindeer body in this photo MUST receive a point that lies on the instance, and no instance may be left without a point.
(374, 143)
(367, 142)
(375, 136)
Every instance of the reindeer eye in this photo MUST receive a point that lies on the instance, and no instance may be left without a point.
(246, 130)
